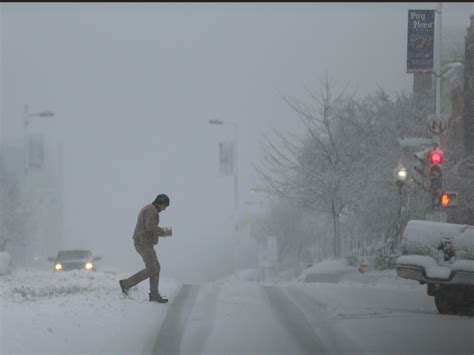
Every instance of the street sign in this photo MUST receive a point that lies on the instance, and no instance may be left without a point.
(415, 141)
(437, 125)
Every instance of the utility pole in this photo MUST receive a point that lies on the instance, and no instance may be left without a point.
(438, 65)
(468, 114)
(236, 172)
(26, 117)
(236, 184)
(436, 190)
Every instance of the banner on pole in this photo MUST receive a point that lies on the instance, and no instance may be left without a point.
(226, 158)
(420, 42)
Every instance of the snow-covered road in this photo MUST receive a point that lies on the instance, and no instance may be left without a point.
(84, 313)
(231, 319)
(318, 318)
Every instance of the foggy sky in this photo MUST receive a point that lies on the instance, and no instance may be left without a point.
(134, 85)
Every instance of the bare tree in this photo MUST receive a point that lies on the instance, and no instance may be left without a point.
(328, 171)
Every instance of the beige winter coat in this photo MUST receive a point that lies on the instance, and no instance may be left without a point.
(147, 230)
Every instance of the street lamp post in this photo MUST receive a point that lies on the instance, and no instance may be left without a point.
(236, 186)
(401, 175)
(27, 116)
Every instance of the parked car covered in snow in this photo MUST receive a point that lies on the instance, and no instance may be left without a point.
(440, 255)
(75, 259)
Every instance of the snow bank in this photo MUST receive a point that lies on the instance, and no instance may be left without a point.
(330, 266)
(347, 276)
(249, 275)
(77, 312)
(4, 263)
(326, 271)
(377, 279)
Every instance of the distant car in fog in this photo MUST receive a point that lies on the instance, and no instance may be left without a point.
(75, 259)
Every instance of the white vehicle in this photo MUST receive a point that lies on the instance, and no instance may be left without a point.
(440, 255)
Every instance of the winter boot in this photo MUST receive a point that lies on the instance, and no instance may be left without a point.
(123, 287)
(157, 298)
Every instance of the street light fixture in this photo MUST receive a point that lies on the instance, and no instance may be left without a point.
(402, 174)
(45, 114)
(27, 115)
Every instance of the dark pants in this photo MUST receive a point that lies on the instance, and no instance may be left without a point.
(151, 271)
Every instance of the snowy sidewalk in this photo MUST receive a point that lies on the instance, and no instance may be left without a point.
(77, 313)
(338, 272)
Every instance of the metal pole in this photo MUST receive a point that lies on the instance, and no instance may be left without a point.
(236, 184)
(25, 142)
(25, 183)
(400, 211)
(438, 61)
(236, 172)
(438, 65)
(436, 138)
(236, 196)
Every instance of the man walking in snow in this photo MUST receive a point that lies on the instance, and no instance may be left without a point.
(145, 236)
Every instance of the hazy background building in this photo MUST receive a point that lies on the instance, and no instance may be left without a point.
(32, 192)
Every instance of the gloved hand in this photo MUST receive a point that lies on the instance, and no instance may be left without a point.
(168, 232)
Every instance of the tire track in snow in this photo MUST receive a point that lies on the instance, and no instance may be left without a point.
(202, 320)
(168, 341)
(294, 320)
(333, 337)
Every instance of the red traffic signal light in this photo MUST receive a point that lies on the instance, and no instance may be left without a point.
(436, 157)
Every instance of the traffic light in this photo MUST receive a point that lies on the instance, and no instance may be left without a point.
(435, 174)
(436, 156)
(422, 166)
(448, 199)
(428, 166)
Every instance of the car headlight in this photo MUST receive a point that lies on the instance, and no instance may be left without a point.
(89, 266)
(58, 267)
